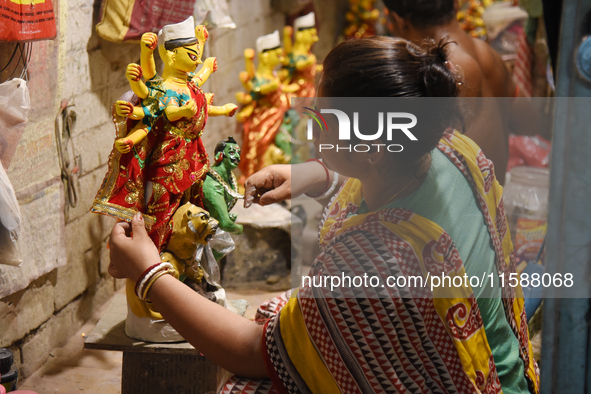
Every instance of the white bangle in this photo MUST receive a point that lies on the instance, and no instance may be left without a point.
(149, 275)
(145, 279)
(331, 188)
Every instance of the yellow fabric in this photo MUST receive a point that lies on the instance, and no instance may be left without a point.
(474, 351)
(27, 2)
(115, 20)
(302, 352)
(469, 150)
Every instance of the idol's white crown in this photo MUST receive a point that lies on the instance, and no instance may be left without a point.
(304, 22)
(178, 31)
(269, 41)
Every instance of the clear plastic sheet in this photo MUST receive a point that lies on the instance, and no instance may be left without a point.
(221, 242)
(15, 105)
(10, 223)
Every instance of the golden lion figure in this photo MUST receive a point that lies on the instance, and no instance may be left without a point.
(192, 226)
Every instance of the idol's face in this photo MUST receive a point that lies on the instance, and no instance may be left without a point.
(202, 226)
(187, 58)
(307, 36)
(232, 155)
(274, 56)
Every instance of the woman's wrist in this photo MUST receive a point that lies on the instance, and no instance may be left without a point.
(317, 178)
(150, 275)
(331, 189)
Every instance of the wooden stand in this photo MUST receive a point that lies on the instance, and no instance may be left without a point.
(153, 367)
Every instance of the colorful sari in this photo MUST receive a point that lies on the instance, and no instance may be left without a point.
(386, 339)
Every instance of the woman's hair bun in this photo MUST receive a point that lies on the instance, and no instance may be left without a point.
(388, 67)
(394, 67)
(439, 78)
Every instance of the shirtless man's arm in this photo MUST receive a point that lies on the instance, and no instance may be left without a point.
(522, 117)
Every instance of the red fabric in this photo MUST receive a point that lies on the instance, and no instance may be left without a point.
(239, 385)
(176, 164)
(173, 163)
(522, 71)
(128, 191)
(270, 308)
(152, 15)
(27, 22)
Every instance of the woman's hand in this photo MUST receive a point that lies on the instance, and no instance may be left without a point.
(224, 337)
(280, 182)
(131, 249)
(270, 185)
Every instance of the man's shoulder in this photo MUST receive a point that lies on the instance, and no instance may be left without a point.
(493, 68)
(469, 69)
(483, 69)
(485, 54)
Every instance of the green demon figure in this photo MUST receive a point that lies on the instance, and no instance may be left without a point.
(220, 188)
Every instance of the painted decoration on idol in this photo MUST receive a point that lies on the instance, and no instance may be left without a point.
(159, 167)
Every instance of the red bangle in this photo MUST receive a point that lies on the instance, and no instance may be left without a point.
(139, 280)
(326, 185)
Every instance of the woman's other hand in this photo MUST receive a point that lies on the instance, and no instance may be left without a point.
(280, 182)
(131, 249)
(270, 185)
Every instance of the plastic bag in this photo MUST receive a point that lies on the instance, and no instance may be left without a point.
(222, 243)
(14, 108)
(528, 151)
(213, 13)
(10, 223)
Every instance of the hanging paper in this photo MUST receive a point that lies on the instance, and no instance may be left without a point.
(27, 20)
